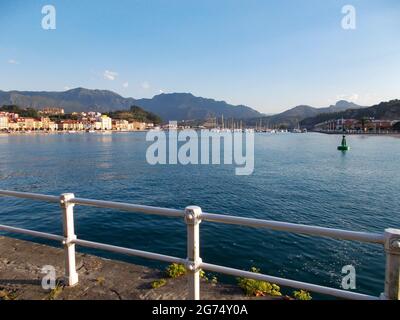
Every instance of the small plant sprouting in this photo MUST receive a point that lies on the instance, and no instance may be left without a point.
(158, 283)
(54, 293)
(175, 270)
(258, 288)
(302, 295)
(203, 275)
(100, 280)
(7, 295)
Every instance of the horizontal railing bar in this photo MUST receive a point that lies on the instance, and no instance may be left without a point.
(287, 283)
(131, 252)
(27, 195)
(129, 207)
(218, 218)
(296, 228)
(32, 233)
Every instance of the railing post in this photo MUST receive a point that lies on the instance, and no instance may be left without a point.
(392, 273)
(71, 276)
(193, 219)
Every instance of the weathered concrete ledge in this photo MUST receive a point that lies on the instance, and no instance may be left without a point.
(20, 277)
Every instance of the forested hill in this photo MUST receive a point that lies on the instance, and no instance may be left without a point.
(385, 110)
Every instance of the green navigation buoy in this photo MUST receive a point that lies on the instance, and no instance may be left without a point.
(344, 146)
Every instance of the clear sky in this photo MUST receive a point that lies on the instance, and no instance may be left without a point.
(270, 55)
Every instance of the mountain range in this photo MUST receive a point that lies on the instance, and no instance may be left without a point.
(169, 106)
(383, 111)
(293, 116)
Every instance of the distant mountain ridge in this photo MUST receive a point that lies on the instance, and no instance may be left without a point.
(185, 106)
(79, 99)
(169, 106)
(292, 117)
(383, 111)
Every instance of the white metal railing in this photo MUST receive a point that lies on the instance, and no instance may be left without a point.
(193, 216)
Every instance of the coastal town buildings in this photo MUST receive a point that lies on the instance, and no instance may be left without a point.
(124, 125)
(48, 125)
(53, 119)
(70, 125)
(367, 125)
(120, 125)
(138, 126)
(51, 111)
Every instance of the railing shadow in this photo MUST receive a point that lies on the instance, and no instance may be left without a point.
(20, 281)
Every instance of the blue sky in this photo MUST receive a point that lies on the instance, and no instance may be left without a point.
(270, 55)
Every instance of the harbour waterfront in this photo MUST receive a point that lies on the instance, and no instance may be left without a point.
(297, 178)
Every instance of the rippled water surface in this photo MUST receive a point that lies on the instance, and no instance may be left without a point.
(298, 178)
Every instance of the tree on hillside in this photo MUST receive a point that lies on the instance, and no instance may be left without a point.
(28, 112)
(144, 116)
(364, 121)
(383, 111)
(135, 113)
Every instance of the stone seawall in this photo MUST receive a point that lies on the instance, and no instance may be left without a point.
(21, 263)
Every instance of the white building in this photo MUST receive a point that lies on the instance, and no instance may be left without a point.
(3, 122)
(103, 123)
